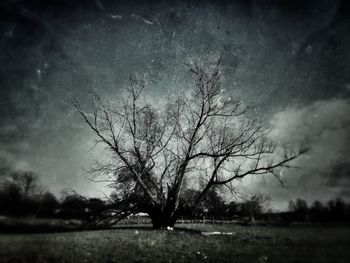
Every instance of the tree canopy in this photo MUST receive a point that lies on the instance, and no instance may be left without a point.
(200, 139)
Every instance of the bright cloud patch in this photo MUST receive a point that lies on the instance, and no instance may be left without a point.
(325, 171)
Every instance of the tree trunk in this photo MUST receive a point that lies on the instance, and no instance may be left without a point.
(162, 219)
(251, 220)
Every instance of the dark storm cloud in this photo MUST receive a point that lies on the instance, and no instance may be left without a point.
(277, 55)
(340, 175)
(339, 178)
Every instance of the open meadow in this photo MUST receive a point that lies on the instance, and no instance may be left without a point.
(142, 244)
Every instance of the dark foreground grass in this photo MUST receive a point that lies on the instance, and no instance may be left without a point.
(246, 244)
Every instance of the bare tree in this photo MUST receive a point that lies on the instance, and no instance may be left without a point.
(199, 139)
(255, 205)
(26, 182)
(21, 193)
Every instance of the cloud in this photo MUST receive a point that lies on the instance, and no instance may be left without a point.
(324, 171)
(340, 175)
(6, 163)
(320, 120)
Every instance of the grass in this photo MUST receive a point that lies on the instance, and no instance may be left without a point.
(247, 244)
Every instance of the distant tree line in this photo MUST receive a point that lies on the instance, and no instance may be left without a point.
(333, 210)
(21, 195)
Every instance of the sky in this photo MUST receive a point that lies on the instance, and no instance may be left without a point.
(288, 60)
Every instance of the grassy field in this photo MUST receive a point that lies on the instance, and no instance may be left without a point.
(245, 244)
